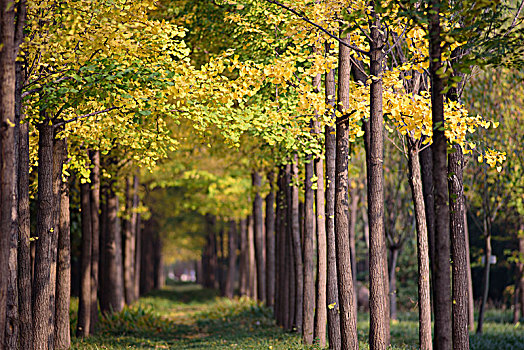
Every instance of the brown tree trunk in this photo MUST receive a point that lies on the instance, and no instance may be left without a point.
(63, 273)
(424, 292)
(352, 228)
(279, 254)
(521, 252)
(258, 217)
(8, 185)
(112, 251)
(471, 302)
(334, 337)
(232, 258)
(346, 289)
(441, 271)
(24, 245)
(159, 263)
(270, 243)
(252, 275)
(129, 248)
(297, 247)
(486, 277)
(321, 299)
(84, 302)
(308, 252)
(43, 329)
(244, 259)
(290, 259)
(460, 331)
(378, 311)
(147, 260)
(95, 239)
(138, 228)
(394, 252)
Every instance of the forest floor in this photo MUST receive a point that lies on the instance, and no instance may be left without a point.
(185, 316)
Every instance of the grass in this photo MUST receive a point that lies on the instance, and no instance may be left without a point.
(186, 316)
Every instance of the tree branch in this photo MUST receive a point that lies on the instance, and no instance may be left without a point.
(84, 116)
(352, 47)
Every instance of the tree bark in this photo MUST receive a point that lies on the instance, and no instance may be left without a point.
(113, 276)
(24, 245)
(8, 181)
(460, 310)
(297, 247)
(138, 228)
(244, 259)
(95, 239)
(471, 302)
(270, 243)
(308, 253)
(43, 329)
(521, 254)
(321, 298)
(252, 275)
(394, 252)
(424, 298)
(334, 337)
(258, 217)
(441, 271)
(379, 320)
(84, 302)
(280, 252)
(129, 248)
(486, 277)
(346, 289)
(232, 258)
(63, 273)
(159, 263)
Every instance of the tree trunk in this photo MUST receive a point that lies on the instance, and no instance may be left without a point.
(159, 263)
(424, 292)
(280, 253)
(95, 239)
(147, 260)
(378, 312)
(8, 169)
(113, 277)
(129, 248)
(43, 329)
(460, 332)
(84, 302)
(297, 247)
(252, 275)
(352, 228)
(308, 253)
(290, 259)
(138, 228)
(521, 252)
(321, 307)
(63, 272)
(334, 337)
(24, 245)
(471, 302)
(346, 289)
(394, 251)
(270, 243)
(244, 259)
(258, 217)
(441, 271)
(232, 258)
(485, 281)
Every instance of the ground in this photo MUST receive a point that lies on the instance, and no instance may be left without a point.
(185, 316)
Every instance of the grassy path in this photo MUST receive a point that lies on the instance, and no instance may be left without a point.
(189, 317)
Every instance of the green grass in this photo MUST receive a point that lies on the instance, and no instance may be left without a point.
(186, 316)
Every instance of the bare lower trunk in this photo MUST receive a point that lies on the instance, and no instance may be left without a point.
(308, 253)
(259, 238)
(95, 239)
(112, 251)
(393, 283)
(63, 274)
(43, 329)
(270, 244)
(244, 259)
(138, 267)
(424, 292)
(471, 302)
(332, 284)
(321, 307)
(441, 271)
(460, 331)
(346, 290)
(129, 248)
(521, 287)
(485, 281)
(252, 275)
(297, 247)
(84, 301)
(24, 246)
(8, 170)
(232, 258)
(159, 263)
